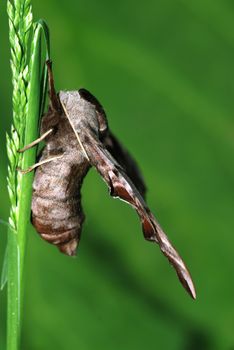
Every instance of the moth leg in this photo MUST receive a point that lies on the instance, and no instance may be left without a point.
(35, 142)
(54, 100)
(31, 168)
(121, 186)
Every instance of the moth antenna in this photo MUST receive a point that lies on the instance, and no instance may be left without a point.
(75, 131)
(54, 100)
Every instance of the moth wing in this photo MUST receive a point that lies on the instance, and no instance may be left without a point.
(125, 160)
(122, 187)
(112, 144)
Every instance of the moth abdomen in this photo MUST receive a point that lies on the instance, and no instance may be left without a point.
(60, 226)
(57, 213)
(65, 234)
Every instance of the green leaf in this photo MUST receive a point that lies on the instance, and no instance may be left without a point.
(46, 35)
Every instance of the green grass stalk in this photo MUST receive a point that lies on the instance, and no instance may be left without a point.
(28, 92)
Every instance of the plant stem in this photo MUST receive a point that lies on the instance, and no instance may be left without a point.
(20, 22)
(28, 95)
(13, 293)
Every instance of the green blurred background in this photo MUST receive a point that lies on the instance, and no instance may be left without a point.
(164, 72)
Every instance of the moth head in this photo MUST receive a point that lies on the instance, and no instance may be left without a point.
(67, 98)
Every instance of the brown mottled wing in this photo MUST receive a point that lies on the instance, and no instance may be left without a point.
(121, 186)
(126, 161)
(115, 148)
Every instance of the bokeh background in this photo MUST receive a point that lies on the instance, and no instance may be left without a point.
(164, 72)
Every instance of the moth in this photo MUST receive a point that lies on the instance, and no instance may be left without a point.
(77, 137)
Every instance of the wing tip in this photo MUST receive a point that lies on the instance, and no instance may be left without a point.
(186, 281)
(189, 286)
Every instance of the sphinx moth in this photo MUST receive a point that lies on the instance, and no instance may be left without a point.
(77, 137)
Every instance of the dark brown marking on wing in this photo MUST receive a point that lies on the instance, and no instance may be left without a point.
(101, 115)
(125, 160)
